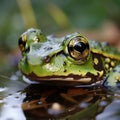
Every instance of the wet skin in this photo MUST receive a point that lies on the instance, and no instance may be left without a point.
(72, 59)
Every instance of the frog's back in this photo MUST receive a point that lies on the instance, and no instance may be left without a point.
(103, 48)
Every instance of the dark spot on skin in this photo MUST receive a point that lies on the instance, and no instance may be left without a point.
(64, 64)
(27, 50)
(26, 60)
(65, 70)
(114, 70)
(98, 66)
(33, 31)
(94, 78)
(48, 48)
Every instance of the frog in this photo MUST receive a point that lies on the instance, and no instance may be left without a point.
(69, 60)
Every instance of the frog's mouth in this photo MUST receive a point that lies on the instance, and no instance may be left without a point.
(88, 80)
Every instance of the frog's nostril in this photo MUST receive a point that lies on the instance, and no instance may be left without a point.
(48, 48)
(46, 59)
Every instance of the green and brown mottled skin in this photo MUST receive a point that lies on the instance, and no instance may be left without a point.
(71, 59)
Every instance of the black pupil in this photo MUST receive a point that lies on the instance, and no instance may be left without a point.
(80, 47)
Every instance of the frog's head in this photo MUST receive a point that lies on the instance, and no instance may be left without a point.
(56, 59)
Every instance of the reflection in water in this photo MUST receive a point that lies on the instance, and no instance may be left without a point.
(40, 101)
(112, 111)
(57, 102)
(56, 109)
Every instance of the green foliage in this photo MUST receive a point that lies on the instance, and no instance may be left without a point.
(83, 14)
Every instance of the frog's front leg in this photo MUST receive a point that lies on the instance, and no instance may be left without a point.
(112, 80)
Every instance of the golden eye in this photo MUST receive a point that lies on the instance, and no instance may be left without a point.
(78, 48)
(22, 44)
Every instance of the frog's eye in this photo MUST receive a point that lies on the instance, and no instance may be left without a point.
(78, 49)
(22, 43)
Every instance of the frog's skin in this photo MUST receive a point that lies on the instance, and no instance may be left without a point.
(67, 60)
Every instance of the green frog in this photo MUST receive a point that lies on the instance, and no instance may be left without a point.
(69, 60)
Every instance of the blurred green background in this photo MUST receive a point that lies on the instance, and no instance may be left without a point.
(97, 19)
(52, 16)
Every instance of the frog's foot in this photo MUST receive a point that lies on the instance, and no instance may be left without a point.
(112, 80)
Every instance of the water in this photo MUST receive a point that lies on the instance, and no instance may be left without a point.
(21, 101)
